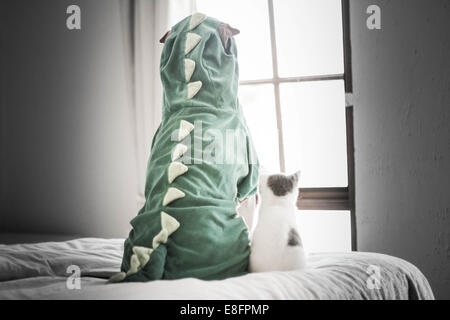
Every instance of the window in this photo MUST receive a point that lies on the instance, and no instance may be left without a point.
(294, 72)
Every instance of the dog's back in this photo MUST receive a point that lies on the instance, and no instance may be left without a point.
(202, 162)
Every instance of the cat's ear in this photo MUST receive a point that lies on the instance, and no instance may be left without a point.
(225, 33)
(295, 177)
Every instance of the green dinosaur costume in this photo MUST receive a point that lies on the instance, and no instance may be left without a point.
(188, 226)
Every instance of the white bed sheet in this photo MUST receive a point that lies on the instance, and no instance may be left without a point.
(39, 271)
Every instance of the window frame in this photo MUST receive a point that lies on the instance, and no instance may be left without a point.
(321, 198)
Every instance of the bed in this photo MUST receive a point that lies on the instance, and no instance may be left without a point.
(48, 270)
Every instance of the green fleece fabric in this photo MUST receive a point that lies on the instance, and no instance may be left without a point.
(199, 234)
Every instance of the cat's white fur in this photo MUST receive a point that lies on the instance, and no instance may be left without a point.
(276, 218)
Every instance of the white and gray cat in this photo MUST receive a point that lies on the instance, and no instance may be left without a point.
(276, 242)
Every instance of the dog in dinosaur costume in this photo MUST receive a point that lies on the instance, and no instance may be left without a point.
(188, 226)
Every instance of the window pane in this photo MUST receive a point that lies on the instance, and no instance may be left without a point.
(309, 37)
(258, 104)
(314, 131)
(325, 231)
(253, 43)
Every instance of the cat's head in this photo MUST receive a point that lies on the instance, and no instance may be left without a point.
(279, 187)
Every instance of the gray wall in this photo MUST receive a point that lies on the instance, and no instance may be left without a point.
(402, 134)
(68, 163)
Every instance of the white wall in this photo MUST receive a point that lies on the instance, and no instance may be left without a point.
(67, 127)
(402, 133)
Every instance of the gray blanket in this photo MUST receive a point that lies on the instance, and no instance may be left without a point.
(49, 271)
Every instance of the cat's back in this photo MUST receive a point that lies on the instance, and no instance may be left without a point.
(269, 239)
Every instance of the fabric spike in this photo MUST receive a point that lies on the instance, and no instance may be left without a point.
(134, 265)
(189, 67)
(161, 237)
(169, 223)
(178, 151)
(196, 19)
(193, 88)
(175, 170)
(192, 40)
(172, 195)
(185, 128)
(143, 254)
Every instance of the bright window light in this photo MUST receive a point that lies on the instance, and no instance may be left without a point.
(259, 110)
(309, 37)
(253, 42)
(325, 231)
(314, 132)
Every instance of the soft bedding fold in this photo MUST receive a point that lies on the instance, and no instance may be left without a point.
(94, 256)
(38, 271)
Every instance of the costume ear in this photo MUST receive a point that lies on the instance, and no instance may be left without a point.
(226, 32)
(163, 39)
